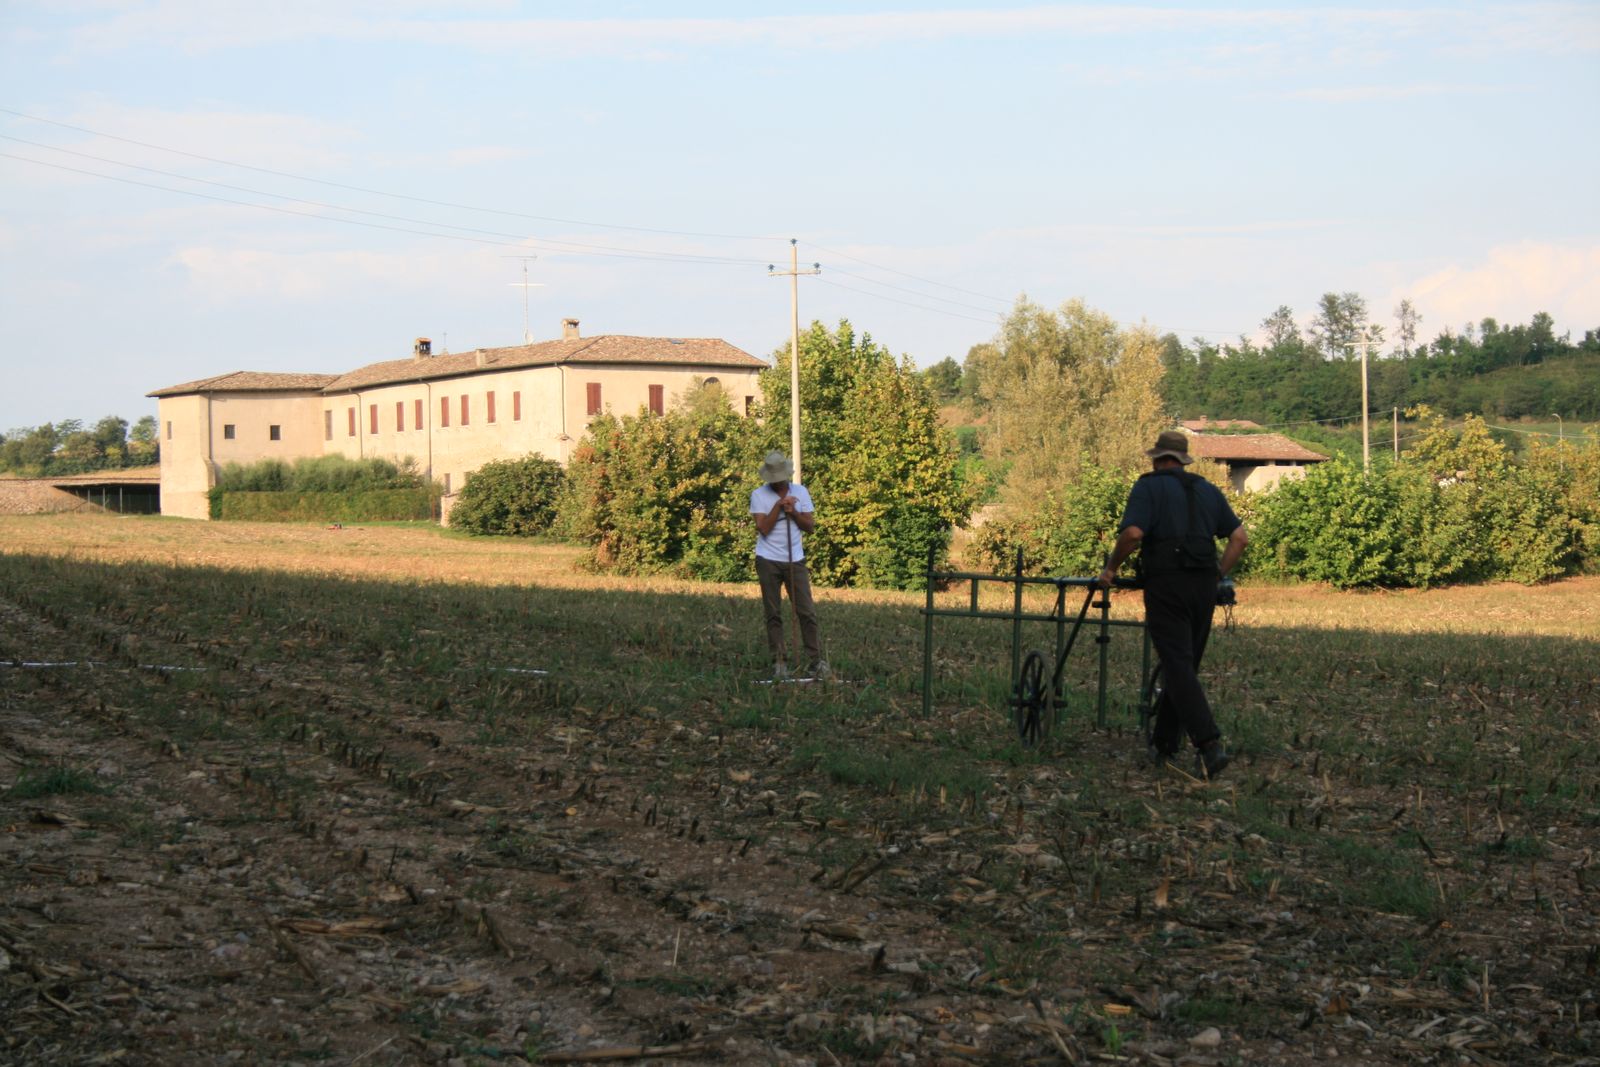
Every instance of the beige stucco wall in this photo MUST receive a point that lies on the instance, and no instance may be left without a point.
(549, 425)
(312, 424)
(195, 441)
(1257, 477)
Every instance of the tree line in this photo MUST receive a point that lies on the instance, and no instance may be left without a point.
(70, 447)
(1303, 374)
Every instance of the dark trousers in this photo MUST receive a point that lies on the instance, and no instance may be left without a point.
(774, 577)
(1177, 612)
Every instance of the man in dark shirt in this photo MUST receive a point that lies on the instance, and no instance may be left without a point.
(1173, 518)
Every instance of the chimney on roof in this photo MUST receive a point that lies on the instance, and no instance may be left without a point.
(422, 348)
(569, 329)
(481, 357)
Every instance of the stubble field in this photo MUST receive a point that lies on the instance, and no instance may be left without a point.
(285, 794)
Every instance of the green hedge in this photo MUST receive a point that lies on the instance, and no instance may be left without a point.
(361, 505)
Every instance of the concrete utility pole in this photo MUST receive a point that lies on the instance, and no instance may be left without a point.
(1366, 426)
(793, 274)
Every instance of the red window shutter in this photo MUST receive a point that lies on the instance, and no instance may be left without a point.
(372, 419)
(657, 397)
(444, 411)
(352, 413)
(594, 398)
(466, 415)
(418, 413)
(516, 405)
(399, 416)
(488, 406)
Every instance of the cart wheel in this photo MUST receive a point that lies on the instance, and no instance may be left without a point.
(1148, 699)
(1032, 701)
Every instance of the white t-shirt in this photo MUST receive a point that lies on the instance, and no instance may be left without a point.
(781, 545)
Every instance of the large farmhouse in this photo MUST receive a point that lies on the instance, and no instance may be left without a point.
(450, 413)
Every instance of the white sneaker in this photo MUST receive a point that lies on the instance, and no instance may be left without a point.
(780, 672)
(821, 671)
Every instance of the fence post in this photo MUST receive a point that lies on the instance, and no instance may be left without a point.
(1104, 640)
(927, 643)
(1016, 620)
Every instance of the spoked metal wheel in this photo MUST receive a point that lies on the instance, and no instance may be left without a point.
(1149, 697)
(1031, 701)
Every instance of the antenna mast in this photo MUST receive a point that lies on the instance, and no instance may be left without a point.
(525, 284)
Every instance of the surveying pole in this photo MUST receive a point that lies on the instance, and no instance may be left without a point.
(1366, 427)
(793, 274)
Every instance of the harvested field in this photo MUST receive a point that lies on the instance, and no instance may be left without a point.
(294, 795)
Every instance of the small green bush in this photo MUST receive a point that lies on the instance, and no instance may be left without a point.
(515, 497)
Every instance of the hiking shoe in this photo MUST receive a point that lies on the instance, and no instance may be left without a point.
(1157, 756)
(820, 670)
(1213, 759)
(780, 672)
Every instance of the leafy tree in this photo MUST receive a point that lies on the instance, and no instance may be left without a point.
(515, 497)
(664, 493)
(943, 380)
(1341, 319)
(1066, 389)
(1280, 328)
(144, 441)
(1407, 316)
(883, 472)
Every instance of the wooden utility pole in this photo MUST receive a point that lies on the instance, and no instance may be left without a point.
(793, 274)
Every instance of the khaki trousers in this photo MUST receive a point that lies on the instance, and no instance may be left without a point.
(774, 577)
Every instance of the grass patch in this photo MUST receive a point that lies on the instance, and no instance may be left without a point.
(54, 781)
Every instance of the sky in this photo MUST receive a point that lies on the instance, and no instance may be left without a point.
(192, 187)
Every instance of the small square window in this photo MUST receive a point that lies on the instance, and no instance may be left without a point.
(227, 431)
(275, 433)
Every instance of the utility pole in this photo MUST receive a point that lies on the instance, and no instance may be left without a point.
(1397, 434)
(525, 284)
(1366, 427)
(793, 274)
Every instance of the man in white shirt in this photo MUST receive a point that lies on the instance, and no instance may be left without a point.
(784, 515)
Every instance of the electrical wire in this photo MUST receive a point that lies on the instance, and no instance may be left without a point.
(380, 192)
(907, 303)
(510, 240)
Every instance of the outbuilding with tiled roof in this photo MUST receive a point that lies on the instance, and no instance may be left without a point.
(1254, 460)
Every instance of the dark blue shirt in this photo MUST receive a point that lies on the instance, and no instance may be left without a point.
(1159, 506)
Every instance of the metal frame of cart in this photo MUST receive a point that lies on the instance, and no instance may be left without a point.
(1058, 615)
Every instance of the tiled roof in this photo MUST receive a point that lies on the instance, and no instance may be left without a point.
(249, 381)
(1250, 447)
(1202, 425)
(605, 349)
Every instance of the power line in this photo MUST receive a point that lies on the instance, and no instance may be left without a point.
(907, 303)
(511, 239)
(381, 192)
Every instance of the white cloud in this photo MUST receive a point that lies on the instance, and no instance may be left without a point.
(1511, 284)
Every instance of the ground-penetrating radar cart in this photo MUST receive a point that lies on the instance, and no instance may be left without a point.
(1037, 698)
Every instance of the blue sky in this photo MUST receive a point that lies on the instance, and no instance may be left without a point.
(1188, 165)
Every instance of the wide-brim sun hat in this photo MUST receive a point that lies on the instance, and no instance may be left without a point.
(1174, 444)
(776, 468)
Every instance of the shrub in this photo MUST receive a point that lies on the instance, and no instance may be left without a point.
(515, 497)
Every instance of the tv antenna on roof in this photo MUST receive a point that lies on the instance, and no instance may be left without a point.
(525, 284)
